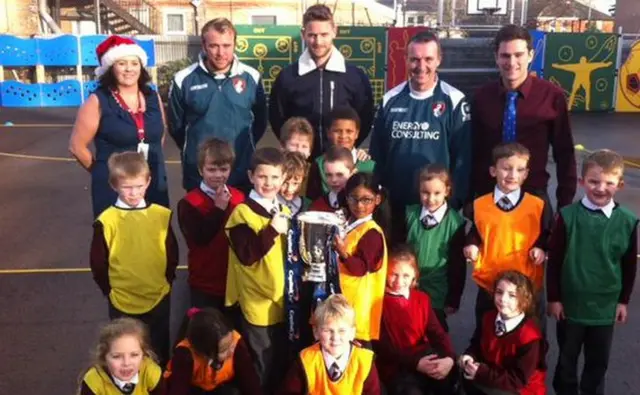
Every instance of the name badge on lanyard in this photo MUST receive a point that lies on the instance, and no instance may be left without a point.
(138, 119)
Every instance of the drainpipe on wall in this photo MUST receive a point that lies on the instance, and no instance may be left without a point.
(46, 18)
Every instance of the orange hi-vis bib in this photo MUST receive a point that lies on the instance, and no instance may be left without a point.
(507, 237)
(204, 375)
(350, 383)
(365, 293)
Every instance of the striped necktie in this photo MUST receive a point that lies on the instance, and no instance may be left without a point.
(505, 204)
(501, 328)
(334, 372)
(509, 121)
(429, 221)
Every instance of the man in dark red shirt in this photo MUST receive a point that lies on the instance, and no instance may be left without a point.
(523, 108)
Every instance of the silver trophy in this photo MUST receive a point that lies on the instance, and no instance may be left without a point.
(316, 230)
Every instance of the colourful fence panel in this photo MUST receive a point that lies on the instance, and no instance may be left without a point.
(268, 49)
(18, 52)
(584, 66)
(537, 64)
(397, 38)
(628, 87)
(365, 47)
(59, 51)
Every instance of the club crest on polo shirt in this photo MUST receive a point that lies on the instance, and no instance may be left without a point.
(438, 108)
(239, 84)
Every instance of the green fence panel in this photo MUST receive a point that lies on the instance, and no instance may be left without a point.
(365, 47)
(584, 66)
(268, 49)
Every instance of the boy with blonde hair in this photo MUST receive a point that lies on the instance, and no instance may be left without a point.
(334, 365)
(591, 274)
(134, 252)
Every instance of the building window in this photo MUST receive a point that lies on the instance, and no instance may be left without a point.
(411, 21)
(263, 20)
(420, 20)
(175, 23)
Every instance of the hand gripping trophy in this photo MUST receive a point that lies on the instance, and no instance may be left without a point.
(311, 262)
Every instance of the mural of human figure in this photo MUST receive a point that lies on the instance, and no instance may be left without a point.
(582, 71)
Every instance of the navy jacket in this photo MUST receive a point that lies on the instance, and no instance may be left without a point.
(231, 107)
(303, 90)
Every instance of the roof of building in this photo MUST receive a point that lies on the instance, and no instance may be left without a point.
(571, 9)
(426, 6)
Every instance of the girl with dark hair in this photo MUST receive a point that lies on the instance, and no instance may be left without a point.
(123, 114)
(211, 358)
(363, 253)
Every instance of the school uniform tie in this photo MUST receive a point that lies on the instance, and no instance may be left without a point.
(429, 221)
(128, 388)
(505, 204)
(501, 328)
(509, 121)
(334, 372)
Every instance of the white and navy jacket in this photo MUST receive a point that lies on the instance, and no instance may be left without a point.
(304, 90)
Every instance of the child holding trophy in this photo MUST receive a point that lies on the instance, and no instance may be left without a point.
(363, 253)
(257, 232)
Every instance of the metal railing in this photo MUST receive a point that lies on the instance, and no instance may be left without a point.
(144, 12)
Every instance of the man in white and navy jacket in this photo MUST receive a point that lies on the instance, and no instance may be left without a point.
(320, 81)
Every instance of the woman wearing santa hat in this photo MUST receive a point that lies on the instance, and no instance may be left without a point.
(123, 114)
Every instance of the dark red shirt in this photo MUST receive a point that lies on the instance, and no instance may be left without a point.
(512, 362)
(409, 331)
(557, 253)
(542, 121)
(202, 224)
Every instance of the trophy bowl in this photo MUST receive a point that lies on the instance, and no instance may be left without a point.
(317, 229)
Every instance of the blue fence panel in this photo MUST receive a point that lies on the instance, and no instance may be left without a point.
(17, 94)
(59, 51)
(63, 94)
(89, 88)
(16, 51)
(150, 49)
(537, 64)
(88, 46)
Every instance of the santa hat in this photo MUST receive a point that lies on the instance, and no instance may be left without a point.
(114, 48)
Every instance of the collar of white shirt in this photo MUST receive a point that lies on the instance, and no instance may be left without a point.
(121, 204)
(607, 209)
(405, 294)
(265, 203)
(207, 190)
(342, 360)
(336, 62)
(421, 95)
(354, 153)
(438, 214)
(333, 199)
(121, 383)
(294, 205)
(513, 197)
(357, 223)
(511, 323)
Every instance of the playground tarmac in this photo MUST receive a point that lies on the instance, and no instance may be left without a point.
(51, 308)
